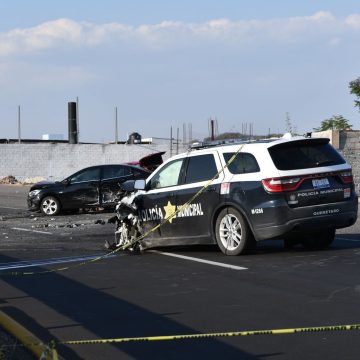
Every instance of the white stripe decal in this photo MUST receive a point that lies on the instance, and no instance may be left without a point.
(35, 231)
(215, 263)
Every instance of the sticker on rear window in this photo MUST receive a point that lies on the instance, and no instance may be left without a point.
(321, 183)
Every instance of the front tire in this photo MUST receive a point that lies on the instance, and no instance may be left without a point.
(233, 234)
(50, 206)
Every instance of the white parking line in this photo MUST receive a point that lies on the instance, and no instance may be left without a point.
(346, 239)
(215, 263)
(33, 263)
(34, 231)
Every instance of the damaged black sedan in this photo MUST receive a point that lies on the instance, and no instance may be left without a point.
(92, 187)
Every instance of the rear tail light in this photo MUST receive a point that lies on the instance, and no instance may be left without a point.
(347, 177)
(275, 185)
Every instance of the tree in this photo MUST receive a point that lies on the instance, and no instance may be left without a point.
(355, 89)
(336, 122)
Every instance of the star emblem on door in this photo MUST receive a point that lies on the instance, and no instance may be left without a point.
(170, 211)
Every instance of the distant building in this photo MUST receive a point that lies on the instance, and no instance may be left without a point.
(53, 137)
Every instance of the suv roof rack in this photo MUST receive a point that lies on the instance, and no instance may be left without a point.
(206, 144)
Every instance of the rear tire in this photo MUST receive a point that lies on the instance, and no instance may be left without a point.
(320, 239)
(233, 234)
(50, 206)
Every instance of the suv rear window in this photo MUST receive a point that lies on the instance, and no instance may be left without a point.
(305, 154)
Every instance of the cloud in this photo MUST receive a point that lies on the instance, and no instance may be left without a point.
(353, 21)
(69, 33)
(43, 36)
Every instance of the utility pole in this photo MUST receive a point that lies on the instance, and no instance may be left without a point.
(116, 125)
(184, 134)
(212, 130)
(177, 141)
(77, 119)
(19, 125)
(171, 141)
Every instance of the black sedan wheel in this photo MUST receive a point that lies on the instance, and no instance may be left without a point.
(50, 206)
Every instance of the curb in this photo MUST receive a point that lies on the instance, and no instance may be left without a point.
(25, 337)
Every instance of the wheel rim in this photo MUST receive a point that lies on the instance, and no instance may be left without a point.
(230, 232)
(49, 206)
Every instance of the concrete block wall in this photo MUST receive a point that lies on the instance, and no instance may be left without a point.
(54, 161)
(349, 147)
(348, 144)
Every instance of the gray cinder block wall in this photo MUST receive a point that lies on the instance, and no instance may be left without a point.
(53, 161)
(347, 142)
(349, 147)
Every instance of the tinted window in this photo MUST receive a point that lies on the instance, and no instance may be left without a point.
(92, 174)
(167, 176)
(200, 168)
(242, 164)
(114, 171)
(305, 154)
(140, 173)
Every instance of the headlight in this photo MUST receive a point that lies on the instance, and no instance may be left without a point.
(34, 193)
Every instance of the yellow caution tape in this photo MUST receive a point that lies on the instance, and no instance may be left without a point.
(27, 339)
(130, 244)
(216, 335)
(50, 352)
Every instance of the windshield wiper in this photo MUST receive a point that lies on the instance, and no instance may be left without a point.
(324, 163)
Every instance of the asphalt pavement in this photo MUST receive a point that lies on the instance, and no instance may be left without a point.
(65, 289)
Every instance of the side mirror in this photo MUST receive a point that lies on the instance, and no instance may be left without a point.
(127, 186)
(66, 182)
(140, 184)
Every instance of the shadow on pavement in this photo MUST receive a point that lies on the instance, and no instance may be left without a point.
(108, 316)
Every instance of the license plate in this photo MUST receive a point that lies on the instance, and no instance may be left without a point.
(320, 183)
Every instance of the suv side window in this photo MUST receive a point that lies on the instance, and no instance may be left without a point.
(167, 176)
(243, 163)
(200, 168)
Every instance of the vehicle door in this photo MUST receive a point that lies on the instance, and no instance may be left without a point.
(159, 200)
(195, 220)
(112, 176)
(82, 189)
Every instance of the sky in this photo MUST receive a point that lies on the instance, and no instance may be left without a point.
(168, 63)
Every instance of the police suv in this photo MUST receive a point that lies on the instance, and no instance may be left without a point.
(296, 189)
